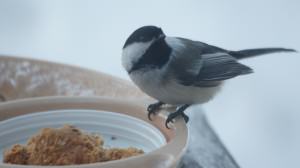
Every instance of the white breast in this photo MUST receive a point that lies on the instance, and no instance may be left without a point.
(149, 81)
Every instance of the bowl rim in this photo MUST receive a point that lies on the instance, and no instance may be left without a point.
(176, 138)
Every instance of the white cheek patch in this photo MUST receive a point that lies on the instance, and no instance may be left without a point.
(132, 53)
(174, 42)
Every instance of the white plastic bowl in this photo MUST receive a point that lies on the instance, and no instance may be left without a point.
(126, 121)
(117, 130)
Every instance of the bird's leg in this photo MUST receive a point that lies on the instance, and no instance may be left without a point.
(153, 108)
(178, 112)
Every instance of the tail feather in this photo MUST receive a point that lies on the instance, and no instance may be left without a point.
(259, 51)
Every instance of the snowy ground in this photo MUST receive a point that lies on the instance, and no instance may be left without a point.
(256, 116)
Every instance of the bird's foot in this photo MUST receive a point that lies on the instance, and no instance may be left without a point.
(153, 108)
(179, 112)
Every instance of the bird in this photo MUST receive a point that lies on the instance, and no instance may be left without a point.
(180, 71)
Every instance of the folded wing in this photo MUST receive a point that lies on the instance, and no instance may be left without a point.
(197, 65)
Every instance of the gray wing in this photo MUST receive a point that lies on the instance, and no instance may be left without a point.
(219, 67)
(199, 64)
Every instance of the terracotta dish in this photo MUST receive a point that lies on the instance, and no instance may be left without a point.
(37, 88)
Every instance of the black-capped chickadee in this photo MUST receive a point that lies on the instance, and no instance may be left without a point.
(180, 71)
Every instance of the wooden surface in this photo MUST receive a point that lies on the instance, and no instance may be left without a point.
(24, 78)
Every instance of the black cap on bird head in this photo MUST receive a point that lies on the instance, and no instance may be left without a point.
(144, 34)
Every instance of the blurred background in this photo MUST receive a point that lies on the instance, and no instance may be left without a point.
(257, 116)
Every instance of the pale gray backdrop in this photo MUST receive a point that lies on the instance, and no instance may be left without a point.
(257, 116)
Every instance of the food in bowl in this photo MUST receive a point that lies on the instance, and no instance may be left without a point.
(65, 146)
